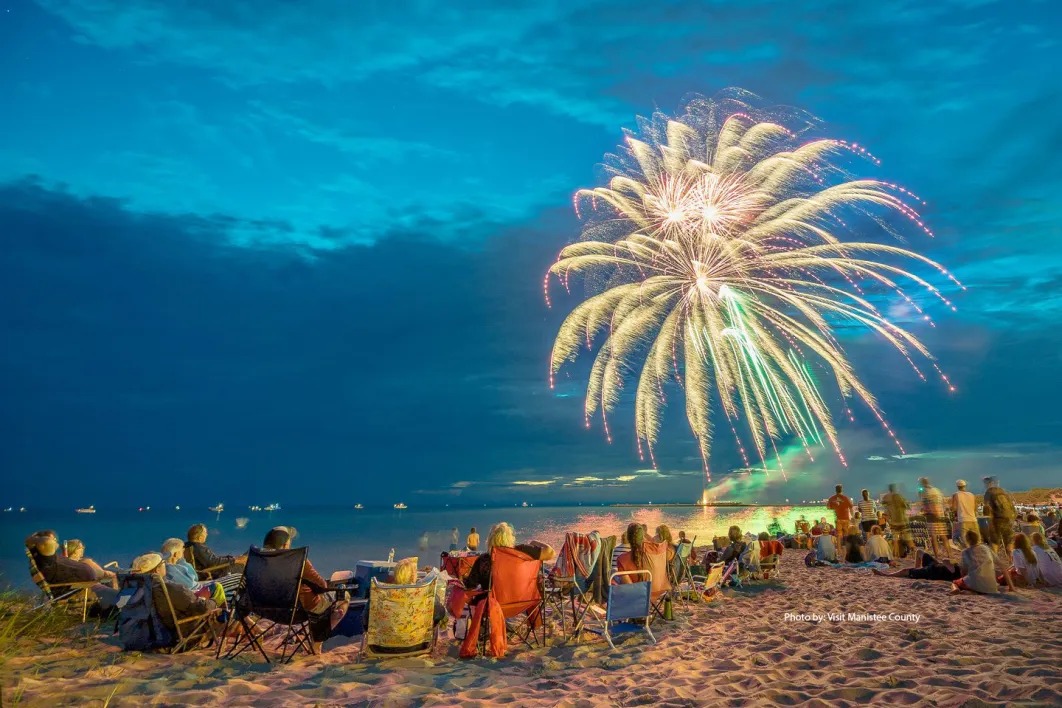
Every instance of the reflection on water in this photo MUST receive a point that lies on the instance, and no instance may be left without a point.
(704, 523)
(338, 538)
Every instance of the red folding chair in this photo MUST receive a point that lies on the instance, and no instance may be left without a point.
(516, 585)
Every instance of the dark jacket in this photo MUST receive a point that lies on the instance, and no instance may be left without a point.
(733, 551)
(200, 556)
(59, 570)
(185, 603)
(479, 576)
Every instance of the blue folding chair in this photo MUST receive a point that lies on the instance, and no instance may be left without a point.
(626, 602)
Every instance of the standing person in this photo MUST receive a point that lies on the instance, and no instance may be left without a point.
(454, 538)
(472, 542)
(936, 522)
(842, 506)
(896, 509)
(964, 506)
(868, 513)
(999, 508)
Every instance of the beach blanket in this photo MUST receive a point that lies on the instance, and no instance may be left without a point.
(584, 549)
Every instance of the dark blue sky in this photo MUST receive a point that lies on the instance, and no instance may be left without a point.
(301, 245)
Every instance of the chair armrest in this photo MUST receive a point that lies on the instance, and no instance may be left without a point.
(81, 585)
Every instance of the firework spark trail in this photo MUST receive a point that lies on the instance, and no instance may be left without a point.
(717, 250)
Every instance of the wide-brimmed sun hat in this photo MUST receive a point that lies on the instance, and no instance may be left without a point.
(146, 563)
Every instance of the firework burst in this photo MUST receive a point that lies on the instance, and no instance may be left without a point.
(714, 259)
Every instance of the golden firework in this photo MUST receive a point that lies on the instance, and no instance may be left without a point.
(718, 243)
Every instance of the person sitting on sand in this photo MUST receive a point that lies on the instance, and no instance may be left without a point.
(1048, 561)
(816, 530)
(75, 550)
(1031, 524)
(853, 548)
(877, 547)
(199, 555)
(737, 545)
(185, 603)
(926, 567)
(325, 611)
(1025, 571)
(472, 542)
(59, 570)
(825, 547)
(979, 564)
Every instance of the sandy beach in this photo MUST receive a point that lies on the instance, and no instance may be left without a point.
(738, 650)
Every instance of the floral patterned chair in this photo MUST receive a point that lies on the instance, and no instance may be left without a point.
(401, 619)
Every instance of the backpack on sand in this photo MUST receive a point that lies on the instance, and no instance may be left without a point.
(139, 627)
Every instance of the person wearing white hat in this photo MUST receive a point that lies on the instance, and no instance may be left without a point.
(964, 506)
(183, 600)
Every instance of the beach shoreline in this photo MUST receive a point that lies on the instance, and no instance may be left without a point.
(815, 636)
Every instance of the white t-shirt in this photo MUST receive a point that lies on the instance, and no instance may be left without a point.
(965, 505)
(1028, 571)
(980, 565)
(1050, 566)
(878, 547)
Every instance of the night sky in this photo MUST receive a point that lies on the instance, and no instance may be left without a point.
(298, 247)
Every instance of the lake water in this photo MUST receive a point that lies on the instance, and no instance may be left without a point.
(339, 537)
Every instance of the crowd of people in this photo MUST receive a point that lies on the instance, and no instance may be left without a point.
(1000, 547)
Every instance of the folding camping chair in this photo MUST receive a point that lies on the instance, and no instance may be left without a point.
(74, 596)
(656, 558)
(770, 558)
(516, 585)
(682, 576)
(571, 582)
(269, 591)
(186, 632)
(401, 619)
(626, 602)
(711, 584)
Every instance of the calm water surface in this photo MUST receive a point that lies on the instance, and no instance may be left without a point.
(339, 537)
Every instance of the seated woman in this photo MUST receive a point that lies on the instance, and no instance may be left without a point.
(180, 571)
(1025, 571)
(325, 611)
(979, 565)
(853, 549)
(663, 535)
(185, 603)
(199, 555)
(926, 567)
(58, 570)
(633, 559)
(501, 535)
(75, 551)
(878, 549)
(1048, 561)
(736, 547)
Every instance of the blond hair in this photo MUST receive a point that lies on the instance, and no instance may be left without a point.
(405, 572)
(664, 534)
(73, 547)
(501, 536)
(171, 547)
